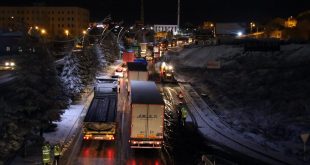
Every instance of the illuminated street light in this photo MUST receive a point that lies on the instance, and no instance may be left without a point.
(36, 27)
(84, 32)
(213, 29)
(252, 25)
(67, 32)
(12, 17)
(239, 34)
(43, 31)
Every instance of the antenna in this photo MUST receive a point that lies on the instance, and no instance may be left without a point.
(179, 12)
(142, 12)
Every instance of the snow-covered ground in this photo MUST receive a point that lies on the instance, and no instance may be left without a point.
(262, 95)
(67, 126)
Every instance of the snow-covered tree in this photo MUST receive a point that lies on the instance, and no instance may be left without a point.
(100, 56)
(38, 90)
(110, 47)
(70, 76)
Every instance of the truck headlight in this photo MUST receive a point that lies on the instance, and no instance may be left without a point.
(12, 64)
(7, 63)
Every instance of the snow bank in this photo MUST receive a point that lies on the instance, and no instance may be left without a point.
(66, 126)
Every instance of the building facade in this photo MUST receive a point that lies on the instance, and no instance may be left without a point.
(166, 28)
(54, 21)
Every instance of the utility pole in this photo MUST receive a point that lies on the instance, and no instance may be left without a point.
(142, 12)
(179, 12)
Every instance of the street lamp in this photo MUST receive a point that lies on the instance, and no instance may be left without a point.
(84, 33)
(67, 33)
(213, 29)
(252, 25)
(43, 31)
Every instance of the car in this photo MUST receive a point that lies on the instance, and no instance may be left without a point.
(119, 72)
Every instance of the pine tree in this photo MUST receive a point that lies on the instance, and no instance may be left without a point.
(70, 76)
(110, 48)
(88, 65)
(39, 97)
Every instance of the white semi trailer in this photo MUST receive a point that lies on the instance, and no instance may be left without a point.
(147, 115)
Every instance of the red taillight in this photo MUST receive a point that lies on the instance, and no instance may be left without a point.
(86, 137)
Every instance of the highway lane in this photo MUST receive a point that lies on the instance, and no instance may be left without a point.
(116, 152)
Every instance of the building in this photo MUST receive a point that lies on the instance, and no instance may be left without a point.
(54, 21)
(276, 34)
(9, 43)
(290, 22)
(166, 28)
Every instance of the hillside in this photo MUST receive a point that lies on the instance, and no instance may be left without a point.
(263, 95)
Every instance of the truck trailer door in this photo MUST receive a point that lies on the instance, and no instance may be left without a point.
(155, 121)
(139, 121)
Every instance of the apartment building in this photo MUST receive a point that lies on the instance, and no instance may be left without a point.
(54, 21)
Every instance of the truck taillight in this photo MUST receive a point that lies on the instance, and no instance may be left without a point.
(87, 137)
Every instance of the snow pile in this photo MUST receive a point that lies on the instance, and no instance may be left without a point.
(263, 95)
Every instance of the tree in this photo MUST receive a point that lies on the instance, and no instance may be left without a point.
(38, 90)
(110, 48)
(70, 76)
(88, 64)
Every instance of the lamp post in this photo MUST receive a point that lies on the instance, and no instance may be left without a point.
(119, 34)
(252, 25)
(213, 29)
(84, 33)
(117, 40)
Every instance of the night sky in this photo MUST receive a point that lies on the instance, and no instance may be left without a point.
(194, 11)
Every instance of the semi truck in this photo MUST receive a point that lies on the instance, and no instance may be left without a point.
(147, 115)
(100, 120)
(128, 57)
(136, 71)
